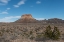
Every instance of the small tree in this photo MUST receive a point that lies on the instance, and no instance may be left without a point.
(55, 33)
(48, 32)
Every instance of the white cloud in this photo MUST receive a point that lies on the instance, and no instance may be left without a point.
(38, 2)
(8, 8)
(9, 19)
(16, 5)
(4, 2)
(5, 12)
(40, 18)
(20, 3)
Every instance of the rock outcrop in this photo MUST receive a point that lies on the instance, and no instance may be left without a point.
(26, 18)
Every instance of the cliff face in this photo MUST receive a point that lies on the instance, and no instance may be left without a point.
(26, 18)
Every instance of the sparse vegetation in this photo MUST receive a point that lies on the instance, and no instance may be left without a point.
(34, 31)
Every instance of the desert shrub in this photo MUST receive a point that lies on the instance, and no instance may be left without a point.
(62, 36)
(31, 32)
(39, 36)
(32, 37)
(7, 30)
(48, 32)
(1, 33)
(55, 33)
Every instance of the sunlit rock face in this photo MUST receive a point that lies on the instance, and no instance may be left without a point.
(26, 18)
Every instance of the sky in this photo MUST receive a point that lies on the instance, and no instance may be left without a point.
(12, 10)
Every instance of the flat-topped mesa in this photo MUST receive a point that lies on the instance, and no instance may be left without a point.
(27, 16)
